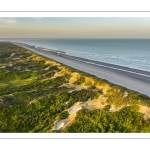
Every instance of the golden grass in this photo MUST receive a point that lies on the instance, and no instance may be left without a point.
(74, 77)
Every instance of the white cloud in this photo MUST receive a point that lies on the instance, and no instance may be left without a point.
(8, 21)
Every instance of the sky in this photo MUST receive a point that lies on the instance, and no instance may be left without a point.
(75, 27)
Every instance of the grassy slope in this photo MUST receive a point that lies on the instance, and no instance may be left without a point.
(36, 91)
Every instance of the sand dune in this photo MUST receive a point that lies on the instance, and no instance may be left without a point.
(134, 79)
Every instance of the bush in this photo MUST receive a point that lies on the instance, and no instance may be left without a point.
(80, 80)
(64, 115)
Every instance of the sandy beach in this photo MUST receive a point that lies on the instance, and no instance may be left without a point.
(134, 79)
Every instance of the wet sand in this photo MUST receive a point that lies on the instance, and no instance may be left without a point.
(134, 79)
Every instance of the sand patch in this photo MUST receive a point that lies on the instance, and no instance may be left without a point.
(38, 58)
(65, 71)
(104, 88)
(125, 94)
(60, 124)
(62, 72)
(57, 74)
(13, 54)
(113, 108)
(71, 86)
(93, 104)
(47, 68)
(88, 81)
(3, 67)
(32, 102)
(146, 111)
(90, 104)
(76, 107)
(48, 62)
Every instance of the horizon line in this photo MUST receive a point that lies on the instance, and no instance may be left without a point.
(67, 38)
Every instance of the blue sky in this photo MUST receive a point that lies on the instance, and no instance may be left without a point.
(66, 27)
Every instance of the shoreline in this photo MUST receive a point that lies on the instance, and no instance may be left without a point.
(134, 79)
(86, 60)
(42, 95)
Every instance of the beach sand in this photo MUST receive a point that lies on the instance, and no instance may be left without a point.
(133, 79)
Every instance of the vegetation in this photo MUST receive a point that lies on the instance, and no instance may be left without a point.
(80, 80)
(81, 96)
(63, 115)
(102, 121)
(34, 94)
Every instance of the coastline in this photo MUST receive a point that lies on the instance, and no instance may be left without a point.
(38, 94)
(133, 79)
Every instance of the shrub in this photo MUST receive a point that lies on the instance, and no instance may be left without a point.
(80, 80)
(63, 115)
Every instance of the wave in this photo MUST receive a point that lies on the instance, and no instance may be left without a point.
(112, 58)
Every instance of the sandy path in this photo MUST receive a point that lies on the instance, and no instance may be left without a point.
(90, 104)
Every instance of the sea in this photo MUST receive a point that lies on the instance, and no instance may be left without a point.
(132, 53)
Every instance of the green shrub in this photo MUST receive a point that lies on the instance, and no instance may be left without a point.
(80, 80)
(63, 115)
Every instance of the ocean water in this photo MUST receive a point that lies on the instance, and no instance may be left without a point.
(133, 53)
